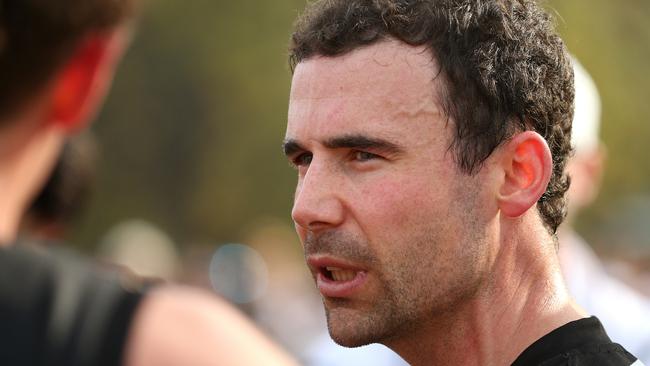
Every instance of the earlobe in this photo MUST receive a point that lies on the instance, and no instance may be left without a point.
(80, 84)
(527, 166)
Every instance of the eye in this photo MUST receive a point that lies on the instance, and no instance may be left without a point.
(365, 156)
(302, 159)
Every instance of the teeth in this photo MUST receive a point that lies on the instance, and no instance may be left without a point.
(339, 274)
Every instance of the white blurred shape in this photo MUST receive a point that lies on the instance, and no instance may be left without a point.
(141, 247)
(587, 110)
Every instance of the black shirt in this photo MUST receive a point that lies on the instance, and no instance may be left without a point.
(57, 309)
(582, 342)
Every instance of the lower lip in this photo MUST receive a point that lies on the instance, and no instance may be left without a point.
(331, 288)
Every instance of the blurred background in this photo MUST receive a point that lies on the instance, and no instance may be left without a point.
(188, 155)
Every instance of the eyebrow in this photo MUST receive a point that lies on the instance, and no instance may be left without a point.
(292, 146)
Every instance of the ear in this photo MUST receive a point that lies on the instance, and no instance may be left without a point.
(80, 85)
(527, 164)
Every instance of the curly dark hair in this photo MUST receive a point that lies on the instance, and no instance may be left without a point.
(36, 37)
(504, 69)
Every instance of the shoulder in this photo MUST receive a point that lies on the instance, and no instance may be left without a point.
(179, 325)
(59, 307)
(577, 343)
(611, 354)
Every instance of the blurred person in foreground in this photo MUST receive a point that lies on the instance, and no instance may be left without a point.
(56, 61)
(430, 140)
(624, 312)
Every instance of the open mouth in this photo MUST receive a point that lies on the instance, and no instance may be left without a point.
(338, 274)
(337, 278)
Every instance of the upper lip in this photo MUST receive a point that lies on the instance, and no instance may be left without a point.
(317, 262)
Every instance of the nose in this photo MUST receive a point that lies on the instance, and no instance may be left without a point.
(318, 200)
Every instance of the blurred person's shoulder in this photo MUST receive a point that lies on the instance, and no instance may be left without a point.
(58, 307)
(181, 325)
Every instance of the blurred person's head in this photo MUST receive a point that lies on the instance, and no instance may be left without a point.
(585, 167)
(56, 63)
(39, 38)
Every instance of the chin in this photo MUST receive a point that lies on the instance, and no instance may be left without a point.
(351, 330)
(349, 340)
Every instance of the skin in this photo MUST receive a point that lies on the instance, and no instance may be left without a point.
(450, 262)
(27, 152)
(184, 326)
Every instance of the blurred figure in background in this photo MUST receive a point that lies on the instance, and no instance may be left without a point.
(57, 59)
(624, 312)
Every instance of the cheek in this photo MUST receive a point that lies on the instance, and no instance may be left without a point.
(401, 203)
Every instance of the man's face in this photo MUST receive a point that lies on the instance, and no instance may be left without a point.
(393, 233)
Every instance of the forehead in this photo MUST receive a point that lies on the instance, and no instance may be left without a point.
(389, 88)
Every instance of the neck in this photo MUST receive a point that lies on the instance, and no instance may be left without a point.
(9, 221)
(28, 150)
(523, 299)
